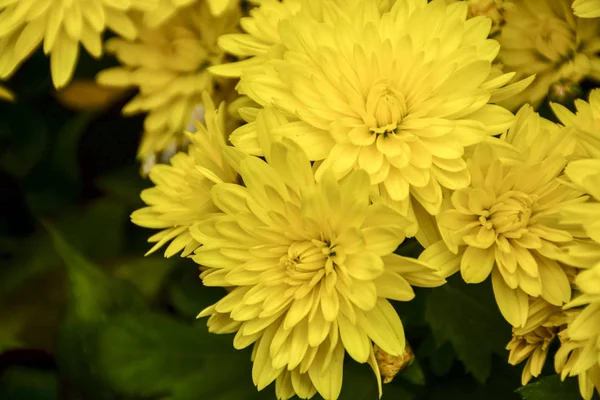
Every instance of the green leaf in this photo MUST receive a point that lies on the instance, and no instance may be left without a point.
(92, 293)
(360, 384)
(125, 185)
(146, 355)
(19, 383)
(457, 385)
(413, 374)
(187, 294)
(97, 231)
(235, 383)
(26, 134)
(442, 359)
(146, 273)
(67, 140)
(551, 388)
(35, 310)
(467, 317)
(93, 298)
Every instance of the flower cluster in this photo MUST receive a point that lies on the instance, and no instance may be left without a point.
(545, 38)
(165, 48)
(368, 122)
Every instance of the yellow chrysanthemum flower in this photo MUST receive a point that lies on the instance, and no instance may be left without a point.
(532, 341)
(543, 37)
(165, 9)
(586, 122)
(311, 267)
(579, 354)
(262, 34)
(585, 175)
(169, 66)
(181, 195)
(506, 223)
(62, 25)
(586, 8)
(372, 90)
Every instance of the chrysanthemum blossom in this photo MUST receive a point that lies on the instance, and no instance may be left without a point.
(62, 25)
(376, 90)
(543, 37)
(506, 223)
(579, 354)
(169, 66)
(165, 9)
(586, 122)
(311, 268)
(532, 341)
(586, 175)
(262, 34)
(586, 8)
(181, 195)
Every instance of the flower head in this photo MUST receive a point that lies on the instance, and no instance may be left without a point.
(545, 38)
(181, 195)
(586, 175)
(312, 268)
(169, 66)
(586, 8)
(261, 35)
(532, 341)
(372, 89)
(579, 354)
(586, 122)
(62, 25)
(505, 223)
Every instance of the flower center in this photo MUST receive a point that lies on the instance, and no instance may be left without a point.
(510, 215)
(386, 106)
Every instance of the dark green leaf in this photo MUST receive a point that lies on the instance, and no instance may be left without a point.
(20, 383)
(413, 374)
(146, 355)
(97, 231)
(457, 385)
(360, 384)
(65, 149)
(32, 319)
(235, 383)
(187, 294)
(92, 293)
(467, 317)
(443, 360)
(146, 273)
(124, 184)
(26, 135)
(93, 298)
(551, 388)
